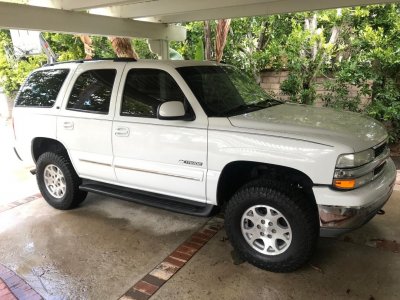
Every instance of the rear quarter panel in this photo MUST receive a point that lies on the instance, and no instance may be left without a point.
(33, 122)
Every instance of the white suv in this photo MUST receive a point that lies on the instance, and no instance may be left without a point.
(191, 136)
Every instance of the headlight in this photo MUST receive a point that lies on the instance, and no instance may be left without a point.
(357, 169)
(355, 159)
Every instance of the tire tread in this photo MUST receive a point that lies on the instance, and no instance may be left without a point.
(300, 205)
(74, 196)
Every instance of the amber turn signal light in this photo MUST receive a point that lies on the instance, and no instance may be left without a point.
(344, 183)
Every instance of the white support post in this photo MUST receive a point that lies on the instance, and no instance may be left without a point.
(159, 47)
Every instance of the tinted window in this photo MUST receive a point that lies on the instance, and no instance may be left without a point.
(145, 89)
(92, 91)
(41, 88)
(225, 91)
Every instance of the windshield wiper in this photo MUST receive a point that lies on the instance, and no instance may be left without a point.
(242, 108)
(268, 103)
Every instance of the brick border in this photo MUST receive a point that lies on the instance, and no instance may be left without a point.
(15, 287)
(155, 279)
(17, 203)
(5, 293)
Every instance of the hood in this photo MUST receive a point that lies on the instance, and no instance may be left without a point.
(321, 125)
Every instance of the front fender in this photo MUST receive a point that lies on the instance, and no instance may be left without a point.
(317, 161)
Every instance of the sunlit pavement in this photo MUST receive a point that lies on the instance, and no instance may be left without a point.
(16, 181)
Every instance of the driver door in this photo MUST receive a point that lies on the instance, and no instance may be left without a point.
(161, 156)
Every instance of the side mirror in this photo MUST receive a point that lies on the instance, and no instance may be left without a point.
(171, 110)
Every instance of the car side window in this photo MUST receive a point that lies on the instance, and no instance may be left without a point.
(41, 88)
(92, 91)
(146, 89)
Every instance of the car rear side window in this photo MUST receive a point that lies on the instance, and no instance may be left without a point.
(41, 88)
(146, 89)
(92, 91)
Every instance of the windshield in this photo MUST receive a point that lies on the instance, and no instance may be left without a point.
(225, 91)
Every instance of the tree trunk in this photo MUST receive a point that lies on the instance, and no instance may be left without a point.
(221, 36)
(87, 44)
(317, 56)
(261, 38)
(207, 40)
(332, 41)
(123, 47)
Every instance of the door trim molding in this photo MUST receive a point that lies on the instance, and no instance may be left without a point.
(94, 162)
(159, 173)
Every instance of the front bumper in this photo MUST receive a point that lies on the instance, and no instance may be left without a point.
(354, 208)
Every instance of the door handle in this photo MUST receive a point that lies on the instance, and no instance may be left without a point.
(122, 131)
(68, 125)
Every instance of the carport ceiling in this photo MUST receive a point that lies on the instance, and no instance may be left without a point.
(142, 18)
(175, 11)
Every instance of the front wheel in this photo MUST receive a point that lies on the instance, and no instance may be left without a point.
(272, 225)
(58, 181)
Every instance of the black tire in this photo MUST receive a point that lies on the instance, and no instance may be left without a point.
(73, 196)
(301, 214)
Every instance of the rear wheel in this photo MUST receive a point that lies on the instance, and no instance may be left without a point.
(58, 181)
(272, 225)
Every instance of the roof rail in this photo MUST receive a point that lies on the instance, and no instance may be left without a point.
(116, 59)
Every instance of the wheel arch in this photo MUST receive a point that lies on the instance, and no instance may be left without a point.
(237, 173)
(41, 145)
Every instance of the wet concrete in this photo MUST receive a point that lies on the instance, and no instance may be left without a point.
(97, 251)
(101, 249)
(350, 267)
(339, 270)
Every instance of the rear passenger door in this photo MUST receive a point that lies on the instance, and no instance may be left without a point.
(162, 156)
(85, 123)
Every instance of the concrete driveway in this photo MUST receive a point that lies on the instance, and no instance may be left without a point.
(105, 247)
(100, 250)
(15, 180)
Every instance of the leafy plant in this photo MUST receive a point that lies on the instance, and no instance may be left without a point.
(199, 54)
(291, 87)
(338, 96)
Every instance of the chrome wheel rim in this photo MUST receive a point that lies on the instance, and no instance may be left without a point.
(266, 230)
(54, 181)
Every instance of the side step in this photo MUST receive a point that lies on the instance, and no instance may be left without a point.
(151, 199)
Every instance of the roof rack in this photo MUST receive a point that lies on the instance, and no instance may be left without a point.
(116, 59)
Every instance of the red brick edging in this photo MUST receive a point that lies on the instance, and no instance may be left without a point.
(14, 287)
(17, 203)
(154, 280)
(5, 293)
